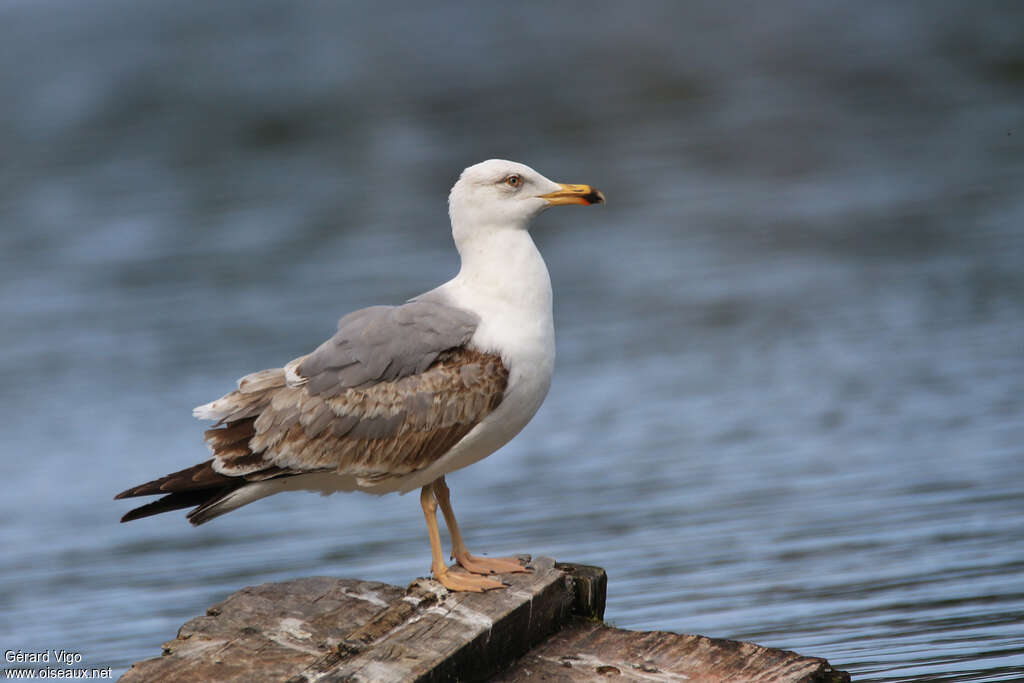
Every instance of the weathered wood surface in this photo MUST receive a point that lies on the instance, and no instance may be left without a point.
(337, 629)
(588, 651)
(544, 626)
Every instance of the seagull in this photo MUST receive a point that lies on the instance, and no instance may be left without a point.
(401, 395)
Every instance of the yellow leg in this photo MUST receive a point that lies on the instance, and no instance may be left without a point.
(471, 563)
(451, 580)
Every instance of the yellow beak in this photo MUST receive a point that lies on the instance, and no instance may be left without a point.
(574, 194)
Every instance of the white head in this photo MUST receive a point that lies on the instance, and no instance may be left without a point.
(499, 195)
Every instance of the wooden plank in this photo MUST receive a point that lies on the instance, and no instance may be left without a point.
(266, 632)
(324, 629)
(588, 651)
(464, 636)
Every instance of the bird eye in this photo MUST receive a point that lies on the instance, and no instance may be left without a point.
(514, 180)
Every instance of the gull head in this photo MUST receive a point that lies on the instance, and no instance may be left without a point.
(499, 194)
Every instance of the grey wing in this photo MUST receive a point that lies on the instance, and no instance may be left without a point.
(384, 343)
(389, 394)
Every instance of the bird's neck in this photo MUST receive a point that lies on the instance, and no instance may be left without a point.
(503, 280)
(505, 267)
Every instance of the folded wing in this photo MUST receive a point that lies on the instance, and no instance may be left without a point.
(391, 392)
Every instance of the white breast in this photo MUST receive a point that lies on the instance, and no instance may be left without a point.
(512, 295)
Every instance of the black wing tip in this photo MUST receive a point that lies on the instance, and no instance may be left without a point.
(132, 515)
(195, 478)
(203, 498)
(150, 488)
(140, 512)
(197, 516)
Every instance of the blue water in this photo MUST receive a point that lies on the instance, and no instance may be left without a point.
(790, 382)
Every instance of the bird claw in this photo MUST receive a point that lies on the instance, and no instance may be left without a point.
(456, 579)
(491, 565)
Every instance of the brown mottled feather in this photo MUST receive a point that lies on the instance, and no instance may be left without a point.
(388, 429)
(377, 432)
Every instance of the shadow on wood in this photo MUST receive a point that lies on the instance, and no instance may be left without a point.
(544, 626)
